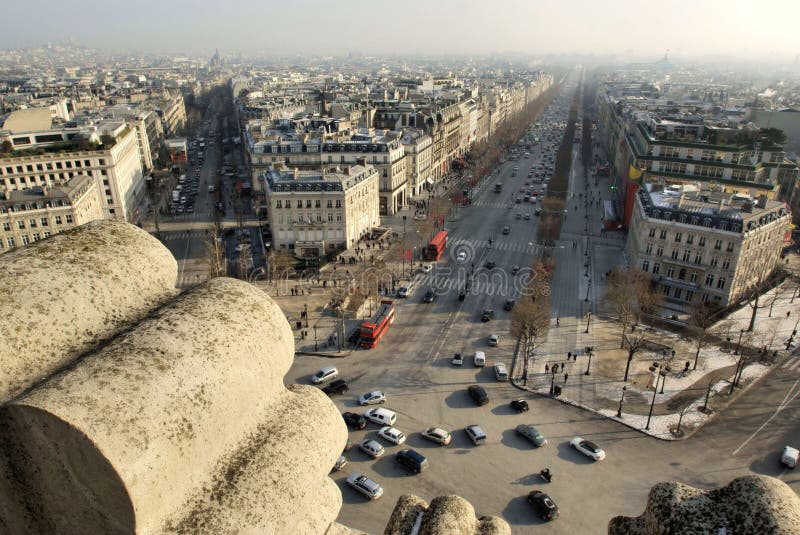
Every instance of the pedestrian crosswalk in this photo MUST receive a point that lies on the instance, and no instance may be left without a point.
(196, 215)
(481, 286)
(459, 245)
(791, 364)
(182, 235)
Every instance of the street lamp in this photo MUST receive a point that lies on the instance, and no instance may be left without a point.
(588, 321)
(621, 401)
(588, 287)
(316, 346)
(305, 312)
(653, 402)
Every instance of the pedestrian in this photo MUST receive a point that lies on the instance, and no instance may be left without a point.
(558, 321)
(546, 368)
(788, 313)
(566, 376)
(555, 368)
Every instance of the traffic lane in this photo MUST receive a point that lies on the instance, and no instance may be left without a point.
(749, 435)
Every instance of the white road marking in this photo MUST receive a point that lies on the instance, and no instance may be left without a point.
(781, 406)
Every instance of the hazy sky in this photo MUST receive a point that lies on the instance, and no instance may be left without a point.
(745, 28)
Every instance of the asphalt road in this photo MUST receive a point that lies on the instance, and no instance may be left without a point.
(412, 365)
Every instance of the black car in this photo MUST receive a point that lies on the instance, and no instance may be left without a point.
(520, 405)
(339, 386)
(487, 315)
(490, 264)
(354, 420)
(478, 395)
(545, 507)
(509, 304)
(430, 297)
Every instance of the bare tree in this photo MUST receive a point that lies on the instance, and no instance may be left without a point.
(530, 318)
(215, 252)
(630, 293)
(759, 279)
(698, 328)
(279, 264)
(636, 342)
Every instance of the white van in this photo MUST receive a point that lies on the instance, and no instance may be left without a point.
(381, 416)
(500, 371)
(479, 360)
(789, 456)
(406, 289)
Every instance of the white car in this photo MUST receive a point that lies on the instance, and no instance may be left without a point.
(372, 448)
(426, 268)
(381, 416)
(325, 374)
(437, 434)
(790, 456)
(458, 360)
(372, 398)
(500, 371)
(494, 339)
(588, 448)
(461, 257)
(365, 485)
(392, 434)
(475, 434)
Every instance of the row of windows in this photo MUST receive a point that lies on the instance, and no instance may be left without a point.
(684, 274)
(307, 218)
(299, 203)
(33, 223)
(687, 256)
(701, 242)
(34, 237)
(49, 166)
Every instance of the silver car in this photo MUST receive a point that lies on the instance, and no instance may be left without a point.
(437, 434)
(532, 434)
(365, 486)
(372, 448)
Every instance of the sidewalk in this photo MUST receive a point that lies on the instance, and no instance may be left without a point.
(685, 392)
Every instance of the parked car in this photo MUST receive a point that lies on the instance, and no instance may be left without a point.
(354, 420)
(475, 434)
(392, 434)
(339, 386)
(365, 486)
(372, 448)
(436, 434)
(487, 315)
(325, 374)
(339, 464)
(520, 405)
(532, 434)
(544, 506)
(430, 297)
(458, 360)
(509, 304)
(500, 371)
(478, 395)
(375, 397)
(479, 359)
(381, 416)
(412, 460)
(491, 264)
(494, 339)
(588, 448)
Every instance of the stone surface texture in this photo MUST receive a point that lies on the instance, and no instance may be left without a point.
(126, 407)
(749, 504)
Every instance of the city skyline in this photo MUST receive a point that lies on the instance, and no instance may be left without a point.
(310, 27)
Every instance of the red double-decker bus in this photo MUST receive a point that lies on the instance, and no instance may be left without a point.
(373, 330)
(436, 247)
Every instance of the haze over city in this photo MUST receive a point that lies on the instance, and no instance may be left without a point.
(447, 266)
(628, 28)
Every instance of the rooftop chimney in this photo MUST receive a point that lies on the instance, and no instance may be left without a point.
(761, 202)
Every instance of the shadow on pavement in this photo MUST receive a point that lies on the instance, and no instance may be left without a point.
(511, 439)
(459, 400)
(504, 409)
(519, 513)
(386, 466)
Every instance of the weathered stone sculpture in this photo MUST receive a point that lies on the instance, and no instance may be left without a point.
(749, 504)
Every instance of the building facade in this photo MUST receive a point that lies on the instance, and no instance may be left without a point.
(313, 213)
(701, 245)
(418, 148)
(32, 214)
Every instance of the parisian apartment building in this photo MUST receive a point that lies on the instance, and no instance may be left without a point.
(31, 214)
(705, 245)
(316, 212)
(45, 156)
